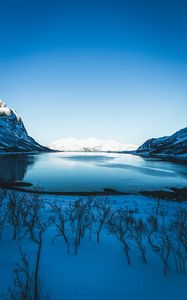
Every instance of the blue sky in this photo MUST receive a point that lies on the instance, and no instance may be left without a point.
(107, 69)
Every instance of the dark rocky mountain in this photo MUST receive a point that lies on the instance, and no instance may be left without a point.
(13, 135)
(168, 147)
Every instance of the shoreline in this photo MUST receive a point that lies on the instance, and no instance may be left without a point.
(174, 194)
(174, 159)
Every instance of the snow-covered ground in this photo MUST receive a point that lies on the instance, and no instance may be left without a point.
(90, 144)
(100, 270)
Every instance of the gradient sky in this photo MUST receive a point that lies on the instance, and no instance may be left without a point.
(106, 69)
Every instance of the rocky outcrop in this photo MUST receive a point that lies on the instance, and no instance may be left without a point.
(168, 147)
(13, 135)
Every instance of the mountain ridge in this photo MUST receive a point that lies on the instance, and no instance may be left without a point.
(90, 145)
(13, 134)
(167, 147)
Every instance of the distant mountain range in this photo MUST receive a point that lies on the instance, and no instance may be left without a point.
(13, 135)
(90, 145)
(167, 147)
(14, 138)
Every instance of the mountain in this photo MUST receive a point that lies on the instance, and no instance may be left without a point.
(13, 135)
(167, 147)
(90, 145)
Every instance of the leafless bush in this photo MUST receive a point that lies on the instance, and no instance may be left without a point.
(39, 240)
(179, 245)
(152, 227)
(35, 223)
(163, 245)
(3, 211)
(79, 215)
(102, 208)
(24, 282)
(157, 206)
(163, 212)
(85, 214)
(32, 215)
(160, 208)
(17, 210)
(61, 221)
(72, 222)
(168, 237)
(159, 237)
(120, 224)
(139, 234)
(89, 216)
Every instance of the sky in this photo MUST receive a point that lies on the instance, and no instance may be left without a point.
(95, 68)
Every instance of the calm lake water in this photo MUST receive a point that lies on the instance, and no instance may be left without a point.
(77, 172)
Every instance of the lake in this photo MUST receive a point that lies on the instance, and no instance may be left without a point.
(88, 172)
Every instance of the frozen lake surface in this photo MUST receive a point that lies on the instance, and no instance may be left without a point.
(88, 172)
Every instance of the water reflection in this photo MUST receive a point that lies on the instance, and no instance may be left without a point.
(143, 170)
(14, 167)
(89, 158)
(77, 172)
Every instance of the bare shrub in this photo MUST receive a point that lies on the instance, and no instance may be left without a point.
(79, 215)
(120, 224)
(39, 241)
(24, 282)
(160, 239)
(88, 219)
(3, 211)
(179, 245)
(152, 227)
(35, 224)
(61, 221)
(32, 215)
(160, 209)
(72, 222)
(163, 246)
(102, 208)
(139, 234)
(157, 206)
(17, 210)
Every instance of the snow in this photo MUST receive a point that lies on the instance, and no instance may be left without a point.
(99, 271)
(13, 135)
(181, 139)
(4, 110)
(90, 144)
(169, 147)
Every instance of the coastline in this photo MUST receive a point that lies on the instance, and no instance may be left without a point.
(172, 193)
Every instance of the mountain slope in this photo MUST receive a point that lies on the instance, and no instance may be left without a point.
(90, 145)
(174, 146)
(13, 135)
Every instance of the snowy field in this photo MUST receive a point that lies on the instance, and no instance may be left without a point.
(83, 268)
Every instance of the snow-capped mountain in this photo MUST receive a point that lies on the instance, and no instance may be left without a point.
(13, 135)
(90, 145)
(174, 146)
